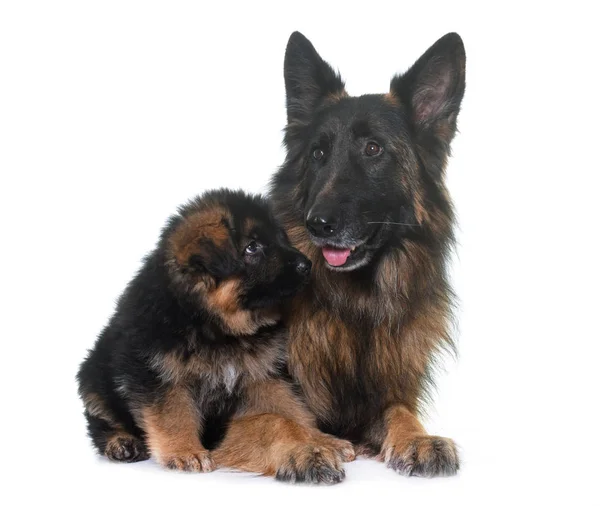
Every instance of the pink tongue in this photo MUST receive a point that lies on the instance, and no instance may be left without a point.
(336, 257)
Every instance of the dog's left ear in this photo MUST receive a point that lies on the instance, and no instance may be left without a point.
(433, 89)
(308, 78)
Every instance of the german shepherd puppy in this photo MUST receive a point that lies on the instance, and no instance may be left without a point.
(362, 195)
(196, 341)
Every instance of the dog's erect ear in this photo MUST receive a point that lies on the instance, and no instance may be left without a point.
(433, 89)
(308, 78)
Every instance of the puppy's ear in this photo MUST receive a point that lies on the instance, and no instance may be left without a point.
(220, 261)
(202, 242)
(433, 89)
(308, 78)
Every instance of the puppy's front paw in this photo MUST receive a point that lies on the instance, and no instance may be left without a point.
(426, 456)
(312, 463)
(199, 461)
(126, 448)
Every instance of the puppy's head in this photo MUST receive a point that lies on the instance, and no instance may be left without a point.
(227, 247)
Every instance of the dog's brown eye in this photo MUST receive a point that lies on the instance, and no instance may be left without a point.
(373, 149)
(252, 247)
(318, 154)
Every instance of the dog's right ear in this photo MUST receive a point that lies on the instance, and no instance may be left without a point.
(308, 78)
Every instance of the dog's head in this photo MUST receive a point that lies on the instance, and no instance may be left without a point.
(227, 247)
(364, 171)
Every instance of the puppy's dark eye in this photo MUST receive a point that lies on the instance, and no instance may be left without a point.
(373, 149)
(251, 248)
(318, 154)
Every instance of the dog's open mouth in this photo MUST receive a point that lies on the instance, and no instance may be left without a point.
(349, 255)
(336, 257)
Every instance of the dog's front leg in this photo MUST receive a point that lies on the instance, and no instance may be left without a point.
(409, 450)
(274, 434)
(273, 445)
(172, 426)
(276, 396)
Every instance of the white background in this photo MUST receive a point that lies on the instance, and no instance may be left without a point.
(113, 113)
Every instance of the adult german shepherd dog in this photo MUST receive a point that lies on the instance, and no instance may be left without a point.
(362, 195)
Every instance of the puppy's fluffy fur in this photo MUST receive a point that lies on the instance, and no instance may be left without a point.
(196, 342)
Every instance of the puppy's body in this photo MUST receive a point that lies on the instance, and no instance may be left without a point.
(196, 342)
(362, 194)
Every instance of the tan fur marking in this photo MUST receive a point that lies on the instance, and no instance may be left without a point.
(407, 445)
(224, 302)
(401, 425)
(206, 224)
(420, 212)
(391, 98)
(336, 97)
(299, 238)
(172, 432)
(224, 298)
(276, 396)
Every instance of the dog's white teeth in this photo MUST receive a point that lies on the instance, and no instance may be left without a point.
(352, 249)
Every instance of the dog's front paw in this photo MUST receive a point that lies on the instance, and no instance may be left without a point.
(315, 462)
(344, 449)
(198, 461)
(126, 448)
(426, 456)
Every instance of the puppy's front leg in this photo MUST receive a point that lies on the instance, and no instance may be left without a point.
(409, 450)
(172, 427)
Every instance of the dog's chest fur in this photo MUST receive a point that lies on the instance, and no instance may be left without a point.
(225, 364)
(351, 371)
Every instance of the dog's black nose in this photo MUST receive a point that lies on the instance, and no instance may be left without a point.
(322, 224)
(303, 266)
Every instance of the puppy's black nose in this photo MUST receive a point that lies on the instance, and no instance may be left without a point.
(303, 266)
(299, 263)
(321, 224)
